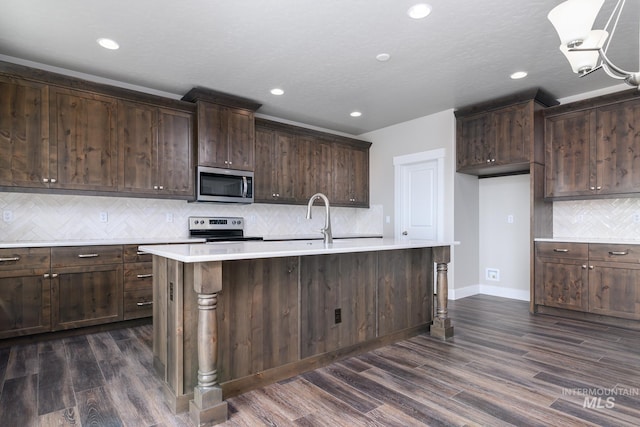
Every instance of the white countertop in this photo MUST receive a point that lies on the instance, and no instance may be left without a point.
(608, 241)
(319, 236)
(274, 249)
(95, 242)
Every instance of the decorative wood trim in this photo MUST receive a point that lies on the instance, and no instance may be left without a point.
(220, 98)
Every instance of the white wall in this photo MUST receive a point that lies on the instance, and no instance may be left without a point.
(466, 223)
(415, 136)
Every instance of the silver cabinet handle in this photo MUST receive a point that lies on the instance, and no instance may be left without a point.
(9, 259)
(54, 275)
(584, 266)
(564, 251)
(619, 252)
(142, 304)
(141, 253)
(46, 275)
(53, 180)
(144, 276)
(88, 255)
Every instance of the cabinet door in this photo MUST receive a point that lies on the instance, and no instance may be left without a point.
(570, 154)
(350, 176)
(473, 144)
(86, 295)
(265, 170)
(83, 140)
(241, 131)
(614, 289)
(315, 168)
(618, 148)
(562, 283)
(24, 133)
(137, 143)
(512, 133)
(286, 166)
(25, 302)
(174, 168)
(213, 145)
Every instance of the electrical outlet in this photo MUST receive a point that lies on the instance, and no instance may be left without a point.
(169, 217)
(636, 218)
(510, 219)
(337, 316)
(104, 217)
(7, 216)
(493, 274)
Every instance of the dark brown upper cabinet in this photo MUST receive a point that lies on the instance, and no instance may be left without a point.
(226, 129)
(157, 150)
(592, 147)
(502, 136)
(293, 163)
(83, 140)
(24, 133)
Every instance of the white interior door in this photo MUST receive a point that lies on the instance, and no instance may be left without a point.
(418, 196)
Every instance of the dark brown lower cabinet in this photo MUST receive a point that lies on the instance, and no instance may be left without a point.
(86, 295)
(25, 291)
(600, 279)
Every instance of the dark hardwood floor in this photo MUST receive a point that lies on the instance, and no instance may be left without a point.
(503, 367)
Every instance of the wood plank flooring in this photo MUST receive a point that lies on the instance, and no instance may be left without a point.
(503, 367)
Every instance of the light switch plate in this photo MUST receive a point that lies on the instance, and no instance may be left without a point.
(7, 216)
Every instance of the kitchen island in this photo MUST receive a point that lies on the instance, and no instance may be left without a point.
(229, 317)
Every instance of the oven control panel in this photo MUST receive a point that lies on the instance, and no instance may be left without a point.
(215, 223)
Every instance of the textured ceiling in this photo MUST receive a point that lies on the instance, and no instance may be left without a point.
(322, 53)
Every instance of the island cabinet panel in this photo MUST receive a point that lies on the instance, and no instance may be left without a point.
(337, 301)
(404, 290)
(24, 133)
(86, 285)
(257, 316)
(84, 152)
(25, 291)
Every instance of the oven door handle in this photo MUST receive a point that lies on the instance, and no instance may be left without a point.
(245, 186)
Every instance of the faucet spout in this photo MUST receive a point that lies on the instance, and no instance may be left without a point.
(326, 231)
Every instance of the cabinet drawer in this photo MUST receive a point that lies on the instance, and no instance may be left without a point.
(24, 258)
(562, 250)
(132, 254)
(85, 255)
(138, 304)
(614, 253)
(138, 276)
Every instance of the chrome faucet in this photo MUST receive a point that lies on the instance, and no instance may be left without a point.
(326, 231)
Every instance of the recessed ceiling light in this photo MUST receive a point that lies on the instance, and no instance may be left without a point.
(355, 114)
(108, 44)
(383, 57)
(419, 11)
(277, 91)
(519, 75)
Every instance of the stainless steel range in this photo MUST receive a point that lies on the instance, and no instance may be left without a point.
(218, 228)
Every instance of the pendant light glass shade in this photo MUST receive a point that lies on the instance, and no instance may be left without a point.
(574, 19)
(583, 61)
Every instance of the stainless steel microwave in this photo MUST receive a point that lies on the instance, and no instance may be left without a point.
(224, 185)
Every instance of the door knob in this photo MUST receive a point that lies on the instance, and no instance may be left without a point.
(404, 233)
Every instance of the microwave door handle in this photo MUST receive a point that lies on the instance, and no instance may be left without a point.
(245, 186)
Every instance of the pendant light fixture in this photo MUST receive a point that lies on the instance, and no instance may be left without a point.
(584, 47)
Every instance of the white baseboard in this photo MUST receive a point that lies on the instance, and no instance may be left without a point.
(496, 291)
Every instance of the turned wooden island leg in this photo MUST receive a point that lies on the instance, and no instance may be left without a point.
(441, 326)
(207, 406)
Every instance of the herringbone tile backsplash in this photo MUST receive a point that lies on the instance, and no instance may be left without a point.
(38, 217)
(606, 218)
